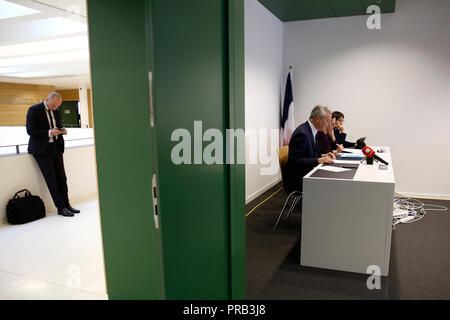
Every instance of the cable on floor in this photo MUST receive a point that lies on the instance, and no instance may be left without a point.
(263, 201)
(410, 210)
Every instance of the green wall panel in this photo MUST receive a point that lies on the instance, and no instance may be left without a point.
(347, 7)
(285, 10)
(236, 173)
(124, 148)
(190, 84)
(315, 9)
(387, 6)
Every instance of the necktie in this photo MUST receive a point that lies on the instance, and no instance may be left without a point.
(52, 123)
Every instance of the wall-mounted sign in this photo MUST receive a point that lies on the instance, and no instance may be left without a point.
(20, 100)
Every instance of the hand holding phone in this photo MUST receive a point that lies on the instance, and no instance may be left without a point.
(55, 132)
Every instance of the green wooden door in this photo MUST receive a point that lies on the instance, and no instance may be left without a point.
(69, 114)
(125, 148)
(197, 56)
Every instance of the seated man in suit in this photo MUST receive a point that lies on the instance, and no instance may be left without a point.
(304, 152)
(47, 146)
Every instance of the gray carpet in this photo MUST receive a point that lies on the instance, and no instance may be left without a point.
(419, 263)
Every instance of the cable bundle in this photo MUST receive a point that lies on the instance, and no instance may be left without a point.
(414, 209)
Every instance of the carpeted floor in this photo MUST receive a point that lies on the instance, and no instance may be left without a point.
(419, 263)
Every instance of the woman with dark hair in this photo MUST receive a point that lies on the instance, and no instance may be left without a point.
(337, 120)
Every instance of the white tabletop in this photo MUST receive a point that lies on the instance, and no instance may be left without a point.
(370, 173)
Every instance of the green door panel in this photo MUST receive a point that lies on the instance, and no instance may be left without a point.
(124, 148)
(69, 114)
(189, 81)
(236, 173)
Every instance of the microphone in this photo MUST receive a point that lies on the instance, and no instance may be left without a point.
(370, 153)
(361, 143)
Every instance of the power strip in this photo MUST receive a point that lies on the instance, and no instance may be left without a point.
(400, 213)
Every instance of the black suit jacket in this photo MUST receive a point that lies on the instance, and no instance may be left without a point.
(303, 156)
(340, 139)
(38, 127)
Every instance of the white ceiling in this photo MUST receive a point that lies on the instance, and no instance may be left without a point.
(44, 42)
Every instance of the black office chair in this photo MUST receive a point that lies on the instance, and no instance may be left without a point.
(294, 197)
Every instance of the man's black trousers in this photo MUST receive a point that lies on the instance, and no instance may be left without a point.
(52, 168)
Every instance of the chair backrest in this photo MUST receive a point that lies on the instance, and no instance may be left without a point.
(283, 155)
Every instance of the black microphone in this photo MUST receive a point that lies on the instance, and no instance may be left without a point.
(361, 143)
(370, 153)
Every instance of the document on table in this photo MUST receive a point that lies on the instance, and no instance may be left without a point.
(353, 151)
(347, 161)
(334, 169)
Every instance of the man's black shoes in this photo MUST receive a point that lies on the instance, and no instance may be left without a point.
(65, 212)
(73, 210)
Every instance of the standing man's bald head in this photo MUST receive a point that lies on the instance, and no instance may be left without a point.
(53, 101)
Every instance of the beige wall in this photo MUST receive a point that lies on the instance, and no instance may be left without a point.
(69, 95)
(15, 99)
(21, 171)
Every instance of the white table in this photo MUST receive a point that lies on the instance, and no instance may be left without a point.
(347, 224)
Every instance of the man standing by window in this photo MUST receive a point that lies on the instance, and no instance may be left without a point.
(47, 146)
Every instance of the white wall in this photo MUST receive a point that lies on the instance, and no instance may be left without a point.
(393, 85)
(21, 171)
(263, 82)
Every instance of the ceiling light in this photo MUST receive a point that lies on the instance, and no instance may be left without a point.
(45, 58)
(46, 74)
(13, 10)
(47, 46)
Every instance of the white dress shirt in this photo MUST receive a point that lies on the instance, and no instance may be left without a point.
(314, 131)
(52, 125)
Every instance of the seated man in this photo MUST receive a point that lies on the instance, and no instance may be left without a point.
(304, 152)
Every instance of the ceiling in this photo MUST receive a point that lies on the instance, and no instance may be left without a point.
(44, 42)
(292, 10)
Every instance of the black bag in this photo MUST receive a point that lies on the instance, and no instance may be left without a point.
(23, 210)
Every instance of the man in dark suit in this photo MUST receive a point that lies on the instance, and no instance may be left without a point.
(304, 152)
(47, 146)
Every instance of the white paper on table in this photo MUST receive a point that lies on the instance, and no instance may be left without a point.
(347, 161)
(334, 169)
(353, 151)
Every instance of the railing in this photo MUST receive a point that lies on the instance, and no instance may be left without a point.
(68, 144)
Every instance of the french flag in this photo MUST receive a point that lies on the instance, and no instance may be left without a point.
(287, 116)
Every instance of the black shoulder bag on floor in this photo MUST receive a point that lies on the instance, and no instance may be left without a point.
(20, 210)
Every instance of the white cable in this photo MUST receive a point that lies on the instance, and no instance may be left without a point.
(415, 209)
